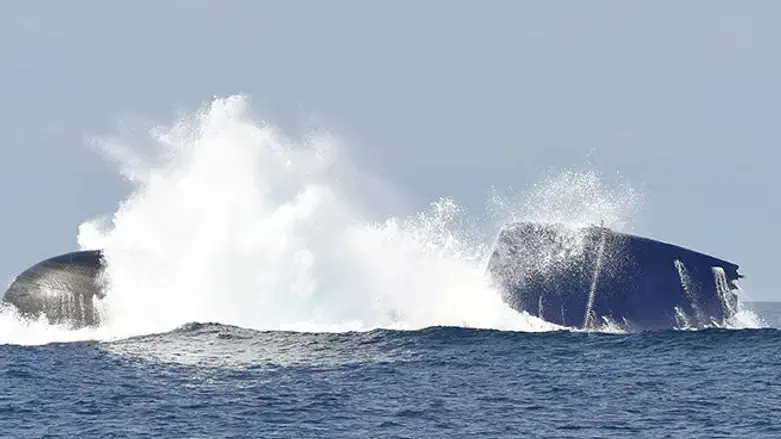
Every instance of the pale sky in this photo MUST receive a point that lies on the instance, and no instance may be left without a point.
(439, 98)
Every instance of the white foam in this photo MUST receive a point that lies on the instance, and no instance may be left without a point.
(234, 223)
(745, 318)
(15, 329)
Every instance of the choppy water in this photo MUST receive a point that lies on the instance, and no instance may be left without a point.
(216, 381)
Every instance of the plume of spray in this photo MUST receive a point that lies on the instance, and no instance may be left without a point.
(574, 199)
(234, 223)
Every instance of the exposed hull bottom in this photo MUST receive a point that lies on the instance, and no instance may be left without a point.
(63, 289)
(592, 276)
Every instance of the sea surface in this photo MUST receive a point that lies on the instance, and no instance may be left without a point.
(206, 380)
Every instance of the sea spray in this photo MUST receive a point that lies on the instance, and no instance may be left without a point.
(234, 223)
(572, 198)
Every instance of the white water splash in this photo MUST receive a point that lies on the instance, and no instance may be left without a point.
(745, 318)
(681, 319)
(236, 224)
(17, 330)
(740, 317)
(573, 199)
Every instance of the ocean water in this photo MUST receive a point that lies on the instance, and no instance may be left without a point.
(206, 380)
(257, 286)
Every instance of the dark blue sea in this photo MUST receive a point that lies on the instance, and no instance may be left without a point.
(208, 380)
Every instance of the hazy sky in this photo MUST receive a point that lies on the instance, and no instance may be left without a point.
(437, 97)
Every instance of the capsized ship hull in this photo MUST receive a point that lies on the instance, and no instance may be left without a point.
(591, 276)
(572, 277)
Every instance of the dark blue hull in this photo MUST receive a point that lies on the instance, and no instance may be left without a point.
(576, 278)
(587, 277)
